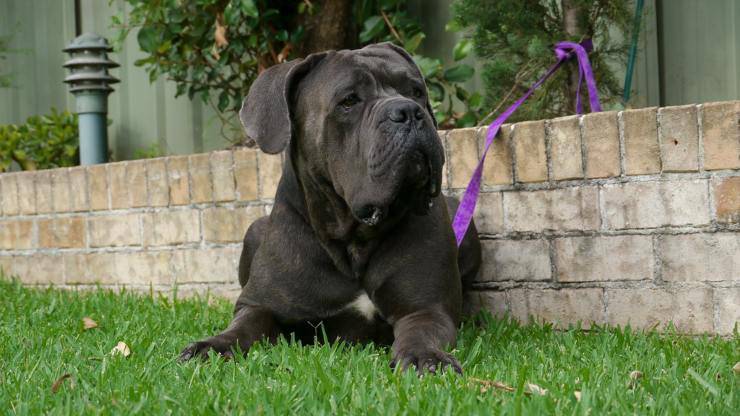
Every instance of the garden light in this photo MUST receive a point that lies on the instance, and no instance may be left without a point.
(89, 81)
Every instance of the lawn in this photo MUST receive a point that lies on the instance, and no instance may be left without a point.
(42, 338)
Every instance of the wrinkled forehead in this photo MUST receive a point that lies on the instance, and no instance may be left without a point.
(344, 70)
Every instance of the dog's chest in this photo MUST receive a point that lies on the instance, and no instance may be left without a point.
(364, 306)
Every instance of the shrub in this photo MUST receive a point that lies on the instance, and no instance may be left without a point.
(215, 49)
(43, 142)
(515, 38)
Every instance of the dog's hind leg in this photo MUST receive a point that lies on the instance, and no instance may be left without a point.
(252, 240)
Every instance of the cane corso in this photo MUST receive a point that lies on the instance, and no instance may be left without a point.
(359, 238)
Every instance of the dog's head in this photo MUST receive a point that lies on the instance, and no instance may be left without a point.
(359, 120)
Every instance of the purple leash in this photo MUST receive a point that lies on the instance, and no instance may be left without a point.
(563, 51)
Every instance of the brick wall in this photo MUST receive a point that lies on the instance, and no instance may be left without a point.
(629, 217)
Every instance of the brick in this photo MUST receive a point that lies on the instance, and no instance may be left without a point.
(515, 260)
(727, 199)
(10, 265)
(588, 259)
(150, 268)
(178, 180)
(222, 173)
(97, 186)
(118, 186)
(61, 192)
(38, 269)
(88, 268)
(17, 266)
(128, 184)
(9, 187)
(700, 257)
(270, 170)
(171, 227)
(66, 232)
(573, 208)
(498, 169)
(136, 178)
(16, 234)
(463, 155)
(211, 265)
(679, 138)
(26, 192)
(43, 192)
(45, 270)
(156, 182)
(689, 309)
(201, 189)
(641, 149)
(601, 142)
(78, 189)
(564, 135)
(228, 291)
(529, 151)
(561, 307)
(245, 173)
(489, 216)
(129, 268)
(6, 265)
(114, 230)
(494, 302)
(655, 204)
(226, 225)
(445, 151)
(721, 135)
(728, 309)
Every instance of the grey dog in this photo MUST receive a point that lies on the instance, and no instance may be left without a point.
(359, 238)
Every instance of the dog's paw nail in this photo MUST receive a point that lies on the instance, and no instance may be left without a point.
(185, 355)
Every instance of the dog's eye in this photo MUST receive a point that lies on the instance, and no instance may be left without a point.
(349, 101)
(418, 93)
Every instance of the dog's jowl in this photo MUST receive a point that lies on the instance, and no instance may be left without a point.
(359, 238)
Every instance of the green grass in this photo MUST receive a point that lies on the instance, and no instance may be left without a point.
(41, 338)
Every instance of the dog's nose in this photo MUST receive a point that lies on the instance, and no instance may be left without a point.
(404, 112)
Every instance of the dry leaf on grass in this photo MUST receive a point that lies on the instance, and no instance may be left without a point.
(634, 376)
(736, 368)
(529, 388)
(88, 323)
(122, 349)
(535, 389)
(58, 383)
(486, 384)
(578, 395)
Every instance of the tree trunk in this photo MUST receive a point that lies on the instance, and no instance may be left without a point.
(330, 26)
(572, 20)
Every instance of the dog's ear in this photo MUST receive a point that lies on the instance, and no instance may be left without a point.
(405, 55)
(265, 113)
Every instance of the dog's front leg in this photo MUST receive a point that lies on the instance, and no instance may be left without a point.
(249, 325)
(420, 340)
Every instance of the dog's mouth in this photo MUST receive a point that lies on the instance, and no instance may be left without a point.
(414, 193)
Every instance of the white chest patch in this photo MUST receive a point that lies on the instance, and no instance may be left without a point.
(364, 306)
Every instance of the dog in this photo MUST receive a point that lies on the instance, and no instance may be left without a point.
(359, 238)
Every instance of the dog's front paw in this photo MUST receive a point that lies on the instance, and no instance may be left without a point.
(430, 360)
(200, 349)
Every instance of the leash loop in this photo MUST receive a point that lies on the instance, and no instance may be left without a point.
(563, 51)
